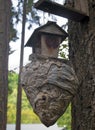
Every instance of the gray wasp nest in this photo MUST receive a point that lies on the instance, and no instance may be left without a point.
(50, 84)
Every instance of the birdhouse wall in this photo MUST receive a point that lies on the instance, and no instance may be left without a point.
(50, 45)
(37, 47)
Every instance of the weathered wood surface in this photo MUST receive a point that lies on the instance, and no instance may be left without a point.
(50, 84)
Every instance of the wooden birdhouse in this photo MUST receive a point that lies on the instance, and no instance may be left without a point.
(46, 39)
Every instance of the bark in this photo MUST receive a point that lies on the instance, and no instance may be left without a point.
(4, 39)
(82, 55)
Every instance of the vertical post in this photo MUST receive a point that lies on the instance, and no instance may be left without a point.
(19, 94)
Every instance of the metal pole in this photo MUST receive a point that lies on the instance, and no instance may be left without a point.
(19, 94)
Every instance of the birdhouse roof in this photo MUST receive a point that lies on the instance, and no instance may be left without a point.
(50, 28)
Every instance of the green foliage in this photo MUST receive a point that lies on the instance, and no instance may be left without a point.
(12, 81)
(28, 117)
(11, 113)
(63, 50)
(65, 119)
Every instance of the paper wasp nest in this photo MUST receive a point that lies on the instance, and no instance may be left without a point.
(50, 84)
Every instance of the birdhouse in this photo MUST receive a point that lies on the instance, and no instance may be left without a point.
(46, 39)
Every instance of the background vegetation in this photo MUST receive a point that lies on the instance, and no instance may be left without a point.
(28, 116)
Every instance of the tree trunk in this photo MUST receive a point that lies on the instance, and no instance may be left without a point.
(82, 55)
(4, 39)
